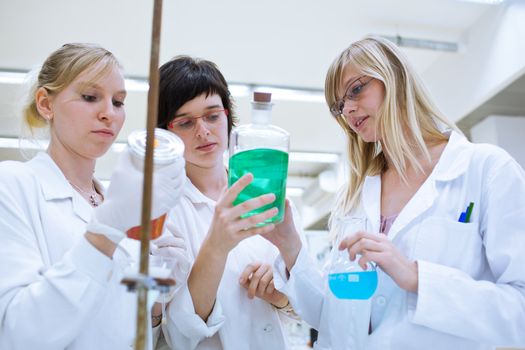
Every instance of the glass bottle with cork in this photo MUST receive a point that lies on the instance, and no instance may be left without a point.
(261, 149)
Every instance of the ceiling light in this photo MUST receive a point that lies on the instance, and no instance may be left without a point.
(314, 157)
(7, 77)
(426, 44)
(490, 2)
(306, 157)
(12, 77)
(294, 191)
(239, 90)
(20, 143)
(285, 94)
(133, 84)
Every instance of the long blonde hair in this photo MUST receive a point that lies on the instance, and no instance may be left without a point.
(60, 69)
(407, 119)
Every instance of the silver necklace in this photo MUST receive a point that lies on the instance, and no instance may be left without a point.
(93, 196)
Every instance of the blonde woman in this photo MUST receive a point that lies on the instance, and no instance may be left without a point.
(446, 280)
(62, 245)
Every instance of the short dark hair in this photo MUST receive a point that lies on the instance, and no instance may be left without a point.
(182, 79)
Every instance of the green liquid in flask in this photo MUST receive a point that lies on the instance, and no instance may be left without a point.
(269, 168)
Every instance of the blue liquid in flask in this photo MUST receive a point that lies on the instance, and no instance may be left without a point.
(353, 285)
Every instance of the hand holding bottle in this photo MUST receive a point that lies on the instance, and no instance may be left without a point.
(228, 228)
(122, 205)
(286, 238)
(261, 149)
(368, 247)
(347, 278)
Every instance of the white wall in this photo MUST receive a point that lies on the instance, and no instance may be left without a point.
(504, 131)
(493, 56)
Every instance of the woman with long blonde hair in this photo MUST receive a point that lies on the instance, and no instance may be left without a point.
(446, 221)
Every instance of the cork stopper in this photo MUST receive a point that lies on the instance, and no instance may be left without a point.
(264, 97)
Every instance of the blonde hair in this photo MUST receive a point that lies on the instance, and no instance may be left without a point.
(407, 119)
(60, 69)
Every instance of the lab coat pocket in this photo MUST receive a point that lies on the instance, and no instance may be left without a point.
(451, 243)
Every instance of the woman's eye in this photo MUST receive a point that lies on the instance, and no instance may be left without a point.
(89, 98)
(212, 118)
(118, 103)
(186, 124)
(357, 89)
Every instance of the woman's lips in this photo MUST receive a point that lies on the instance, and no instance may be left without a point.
(360, 123)
(207, 147)
(104, 132)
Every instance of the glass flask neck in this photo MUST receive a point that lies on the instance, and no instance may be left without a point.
(261, 113)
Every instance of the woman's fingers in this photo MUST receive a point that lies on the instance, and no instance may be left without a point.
(251, 204)
(169, 241)
(364, 245)
(266, 280)
(232, 192)
(352, 239)
(250, 222)
(256, 231)
(256, 280)
(271, 287)
(367, 257)
(248, 270)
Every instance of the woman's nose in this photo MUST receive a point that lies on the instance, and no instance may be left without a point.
(349, 107)
(201, 128)
(107, 110)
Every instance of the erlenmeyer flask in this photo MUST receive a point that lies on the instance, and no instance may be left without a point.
(346, 279)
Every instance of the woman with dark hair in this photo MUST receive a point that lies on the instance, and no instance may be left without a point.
(229, 301)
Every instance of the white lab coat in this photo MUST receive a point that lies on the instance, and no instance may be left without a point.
(236, 322)
(471, 275)
(56, 290)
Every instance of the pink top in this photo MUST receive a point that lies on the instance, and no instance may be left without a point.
(386, 223)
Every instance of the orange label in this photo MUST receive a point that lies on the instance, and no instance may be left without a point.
(156, 229)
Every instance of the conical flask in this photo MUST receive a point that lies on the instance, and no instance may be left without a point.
(261, 149)
(346, 279)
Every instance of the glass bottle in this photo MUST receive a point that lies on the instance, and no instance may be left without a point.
(261, 149)
(346, 279)
(168, 147)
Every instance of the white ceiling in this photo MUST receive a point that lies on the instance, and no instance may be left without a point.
(510, 102)
(277, 42)
(280, 43)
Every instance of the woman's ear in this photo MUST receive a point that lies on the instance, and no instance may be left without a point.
(43, 101)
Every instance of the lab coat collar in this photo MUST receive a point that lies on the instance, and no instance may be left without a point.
(452, 163)
(194, 195)
(55, 185)
(372, 201)
(416, 206)
(454, 160)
